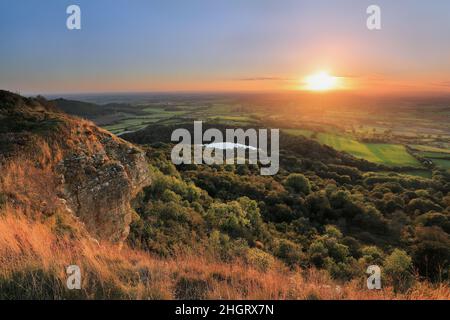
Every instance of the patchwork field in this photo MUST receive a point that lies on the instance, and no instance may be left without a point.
(377, 134)
(445, 164)
(152, 115)
(389, 154)
(299, 132)
(431, 149)
(439, 156)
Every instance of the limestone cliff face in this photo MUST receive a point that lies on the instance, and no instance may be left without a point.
(99, 187)
(87, 171)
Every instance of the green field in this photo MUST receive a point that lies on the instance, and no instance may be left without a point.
(430, 149)
(388, 154)
(154, 114)
(231, 120)
(440, 157)
(420, 173)
(299, 132)
(131, 124)
(333, 135)
(218, 113)
(445, 164)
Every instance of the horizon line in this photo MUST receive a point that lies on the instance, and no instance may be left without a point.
(404, 93)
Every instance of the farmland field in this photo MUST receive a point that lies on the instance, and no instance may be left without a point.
(445, 164)
(299, 132)
(431, 149)
(440, 157)
(389, 154)
(380, 137)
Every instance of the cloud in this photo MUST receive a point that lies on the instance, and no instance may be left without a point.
(368, 77)
(441, 84)
(264, 79)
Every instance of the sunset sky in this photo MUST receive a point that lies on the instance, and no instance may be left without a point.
(222, 45)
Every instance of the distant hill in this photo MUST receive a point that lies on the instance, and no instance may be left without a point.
(100, 114)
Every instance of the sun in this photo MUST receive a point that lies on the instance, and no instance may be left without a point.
(321, 81)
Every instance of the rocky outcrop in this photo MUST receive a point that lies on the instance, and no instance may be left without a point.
(97, 174)
(98, 188)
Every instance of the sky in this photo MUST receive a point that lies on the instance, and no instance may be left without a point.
(222, 45)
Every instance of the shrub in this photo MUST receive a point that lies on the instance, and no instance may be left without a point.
(342, 270)
(371, 255)
(435, 219)
(397, 267)
(259, 259)
(170, 196)
(333, 232)
(318, 253)
(289, 252)
(298, 183)
(431, 252)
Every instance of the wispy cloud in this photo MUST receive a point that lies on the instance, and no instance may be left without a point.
(441, 84)
(370, 77)
(264, 79)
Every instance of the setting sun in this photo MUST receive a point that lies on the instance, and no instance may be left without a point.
(321, 81)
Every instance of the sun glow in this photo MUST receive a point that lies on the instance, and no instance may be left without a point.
(321, 81)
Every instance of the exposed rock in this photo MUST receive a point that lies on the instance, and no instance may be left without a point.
(94, 174)
(99, 192)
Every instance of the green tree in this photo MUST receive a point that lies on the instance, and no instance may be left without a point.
(398, 267)
(431, 252)
(289, 252)
(298, 183)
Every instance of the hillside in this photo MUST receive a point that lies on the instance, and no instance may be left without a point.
(77, 166)
(100, 114)
(141, 228)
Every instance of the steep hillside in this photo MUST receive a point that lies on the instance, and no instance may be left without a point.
(52, 162)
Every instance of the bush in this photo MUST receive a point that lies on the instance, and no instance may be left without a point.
(431, 253)
(298, 183)
(397, 267)
(435, 219)
(318, 253)
(259, 259)
(170, 196)
(333, 232)
(371, 255)
(342, 270)
(289, 252)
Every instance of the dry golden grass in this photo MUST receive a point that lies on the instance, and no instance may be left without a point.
(34, 256)
(30, 187)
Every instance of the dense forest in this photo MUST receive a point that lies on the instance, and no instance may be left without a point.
(324, 209)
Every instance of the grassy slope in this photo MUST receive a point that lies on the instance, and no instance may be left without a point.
(34, 256)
